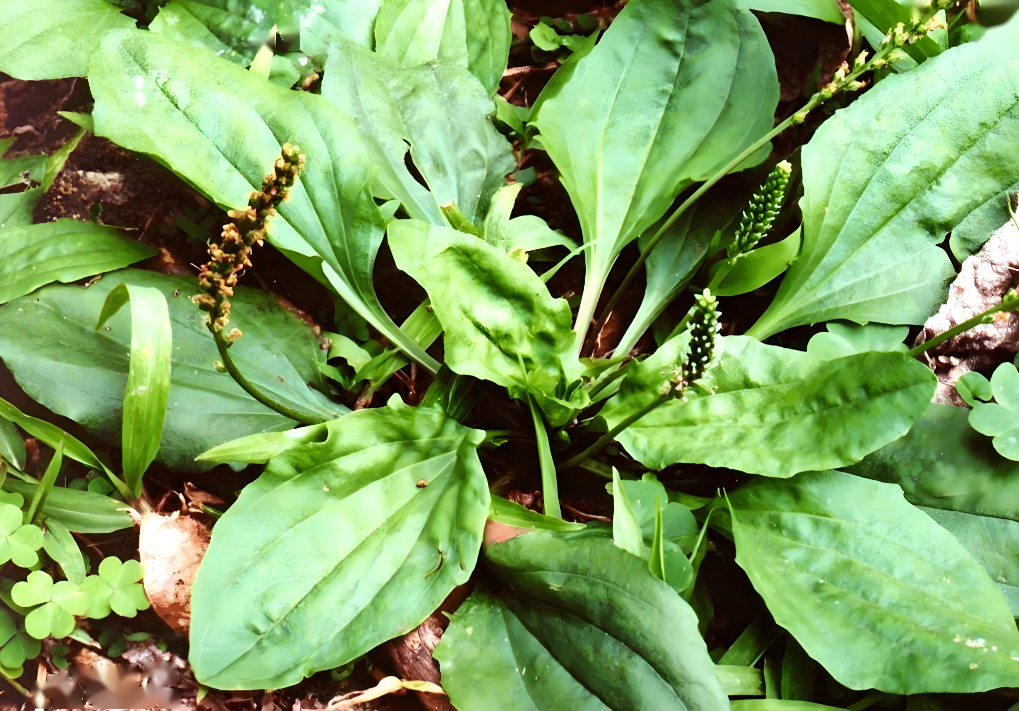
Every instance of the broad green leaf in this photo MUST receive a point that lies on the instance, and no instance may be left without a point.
(12, 445)
(50, 342)
(60, 545)
(672, 264)
(415, 32)
(340, 545)
(871, 587)
(758, 267)
(881, 188)
(993, 542)
(572, 603)
(779, 705)
(236, 29)
(740, 681)
(148, 376)
(827, 10)
(20, 171)
(489, 35)
(221, 128)
(16, 208)
(55, 38)
(441, 111)
(78, 511)
(680, 526)
(945, 464)
(844, 339)
(671, 93)
(35, 255)
(526, 233)
(777, 411)
(501, 324)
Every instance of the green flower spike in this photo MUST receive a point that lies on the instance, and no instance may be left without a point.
(15, 646)
(18, 541)
(115, 588)
(703, 328)
(55, 605)
(761, 212)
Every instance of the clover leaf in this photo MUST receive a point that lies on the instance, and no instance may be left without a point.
(18, 541)
(115, 588)
(998, 419)
(55, 604)
(15, 646)
(6, 497)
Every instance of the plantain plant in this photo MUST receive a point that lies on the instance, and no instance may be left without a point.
(361, 523)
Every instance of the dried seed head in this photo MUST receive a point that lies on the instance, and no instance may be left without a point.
(232, 254)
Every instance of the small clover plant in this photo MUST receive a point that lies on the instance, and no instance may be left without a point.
(54, 604)
(998, 419)
(18, 541)
(15, 645)
(116, 588)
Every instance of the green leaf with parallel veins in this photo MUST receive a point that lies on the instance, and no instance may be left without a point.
(871, 587)
(55, 37)
(501, 324)
(441, 111)
(148, 376)
(777, 412)
(415, 32)
(12, 445)
(343, 543)
(50, 343)
(573, 601)
(60, 545)
(945, 464)
(993, 542)
(758, 267)
(672, 92)
(79, 511)
(489, 36)
(882, 188)
(221, 127)
(35, 255)
(673, 263)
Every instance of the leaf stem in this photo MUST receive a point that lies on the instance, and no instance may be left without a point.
(14, 683)
(797, 118)
(253, 390)
(549, 482)
(1009, 303)
(613, 433)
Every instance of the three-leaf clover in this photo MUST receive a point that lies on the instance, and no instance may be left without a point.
(18, 541)
(55, 604)
(115, 588)
(998, 419)
(7, 497)
(15, 646)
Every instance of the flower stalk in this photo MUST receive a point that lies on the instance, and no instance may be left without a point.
(231, 256)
